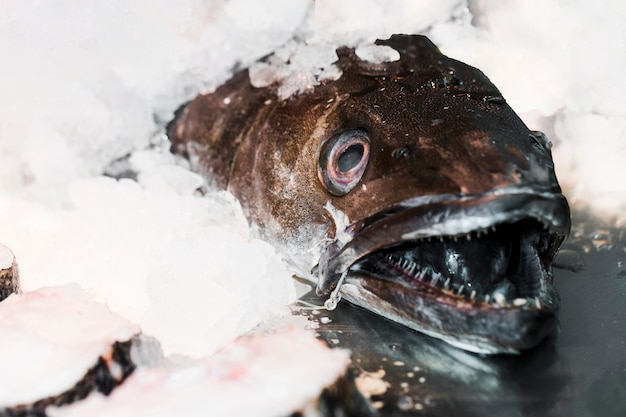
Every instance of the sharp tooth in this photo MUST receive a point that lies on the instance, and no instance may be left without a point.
(493, 228)
(487, 298)
(441, 239)
(473, 295)
(446, 284)
(468, 236)
(420, 276)
(500, 299)
(537, 303)
(455, 238)
(518, 302)
(436, 277)
(460, 290)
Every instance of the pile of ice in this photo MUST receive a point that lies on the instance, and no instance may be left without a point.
(182, 266)
(85, 83)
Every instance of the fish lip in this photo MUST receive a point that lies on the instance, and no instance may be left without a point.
(417, 218)
(483, 327)
(480, 330)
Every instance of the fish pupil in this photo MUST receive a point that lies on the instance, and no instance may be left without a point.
(351, 157)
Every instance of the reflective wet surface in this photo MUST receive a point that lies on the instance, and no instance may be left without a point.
(581, 371)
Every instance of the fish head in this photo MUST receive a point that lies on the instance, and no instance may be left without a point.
(438, 208)
(447, 209)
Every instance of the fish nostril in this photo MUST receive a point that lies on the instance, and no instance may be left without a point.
(540, 140)
(401, 152)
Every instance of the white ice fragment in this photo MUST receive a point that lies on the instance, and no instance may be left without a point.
(202, 297)
(157, 254)
(377, 54)
(263, 74)
(315, 55)
(576, 161)
(51, 338)
(341, 221)
(352, 22)
(6, 257)
(276, 375)
(330, 73)
(182, 181)
(296, 67)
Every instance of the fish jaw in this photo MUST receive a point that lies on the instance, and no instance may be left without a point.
(475, 272)
(477, 329)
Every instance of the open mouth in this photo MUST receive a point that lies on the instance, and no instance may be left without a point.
(475, 272)
(505, 265)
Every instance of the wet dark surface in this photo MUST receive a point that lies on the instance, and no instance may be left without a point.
(581, 371)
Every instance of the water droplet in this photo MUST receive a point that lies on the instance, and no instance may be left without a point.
(405, 403)
(602, 239)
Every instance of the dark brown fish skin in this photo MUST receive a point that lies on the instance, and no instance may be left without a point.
(437, 127)
(447, 127)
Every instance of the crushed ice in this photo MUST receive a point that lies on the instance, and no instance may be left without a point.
(84, 84)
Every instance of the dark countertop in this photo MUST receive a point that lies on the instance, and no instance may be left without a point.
(581, 371)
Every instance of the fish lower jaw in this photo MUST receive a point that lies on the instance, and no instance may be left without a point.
(448, 290)
(440, 288)
(474, 327)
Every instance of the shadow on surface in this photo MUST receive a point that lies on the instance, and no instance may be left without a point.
(579, 372)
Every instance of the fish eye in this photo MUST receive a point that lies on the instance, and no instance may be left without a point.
(343, 159)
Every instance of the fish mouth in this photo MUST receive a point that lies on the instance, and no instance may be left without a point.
(474, 272)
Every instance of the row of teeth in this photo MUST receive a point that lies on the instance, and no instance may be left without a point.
(478, 233)
(437, 280)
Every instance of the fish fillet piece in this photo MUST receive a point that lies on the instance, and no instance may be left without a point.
(58, 345)
(282, 374)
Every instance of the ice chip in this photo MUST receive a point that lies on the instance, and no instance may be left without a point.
(377, 54)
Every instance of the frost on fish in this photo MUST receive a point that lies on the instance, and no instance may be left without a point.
(58, 345)
(9, 273)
